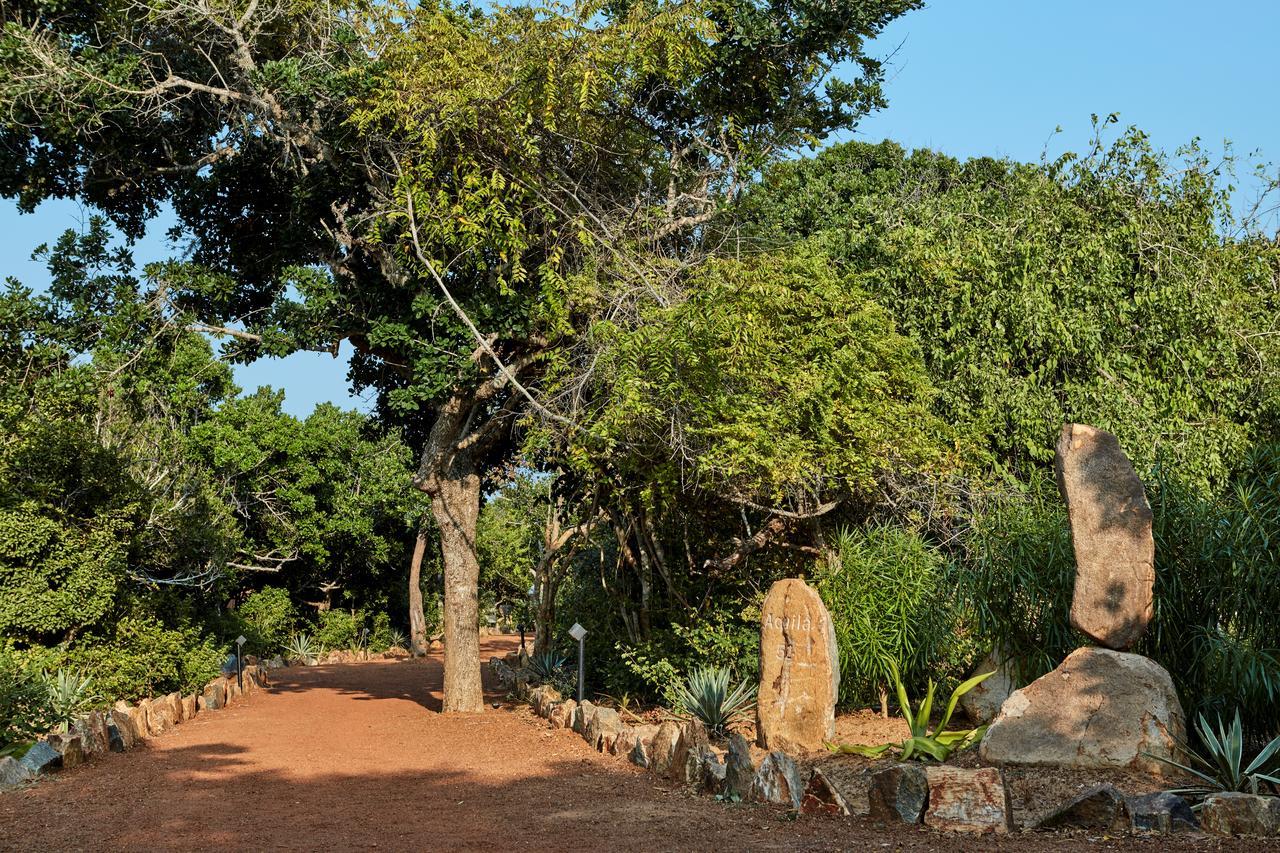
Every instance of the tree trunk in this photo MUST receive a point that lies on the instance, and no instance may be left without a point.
(417, 618)
(456, 506)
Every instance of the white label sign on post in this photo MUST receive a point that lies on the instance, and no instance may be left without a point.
(577, 632)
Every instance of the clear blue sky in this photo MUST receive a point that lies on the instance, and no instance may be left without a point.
(983, 77)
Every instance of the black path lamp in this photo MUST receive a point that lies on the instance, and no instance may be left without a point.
(579, 633)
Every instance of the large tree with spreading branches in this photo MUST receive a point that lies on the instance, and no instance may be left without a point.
(457, 191)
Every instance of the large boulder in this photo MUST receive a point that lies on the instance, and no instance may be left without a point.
(1099, 709)
(962, 800)
(799, 670)
(1111, 534)
(42, 758)
(1241, 814)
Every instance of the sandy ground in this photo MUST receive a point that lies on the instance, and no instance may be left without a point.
(356, 756)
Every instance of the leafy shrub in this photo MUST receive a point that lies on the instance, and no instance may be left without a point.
(24, 701)
(886, 599)
(706, 696)
(1220, 767)
(383, 636)
(339, 629)
(143, 658)
(267, 617)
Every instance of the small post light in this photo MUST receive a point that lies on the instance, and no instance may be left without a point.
(579, 633)
(240, 641)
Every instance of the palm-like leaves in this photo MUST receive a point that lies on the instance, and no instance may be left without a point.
(1222, 768)
(937, 743)
(706, 696)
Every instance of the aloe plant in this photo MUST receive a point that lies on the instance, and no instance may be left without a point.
(302, 647)
(68, 695)
(544, 666)
(706, 696)
(1221, 767)
(936, 742)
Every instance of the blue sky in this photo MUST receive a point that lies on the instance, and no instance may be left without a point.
(983, 77)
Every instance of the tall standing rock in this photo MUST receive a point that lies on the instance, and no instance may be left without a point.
(1111, 535)
(799, 669)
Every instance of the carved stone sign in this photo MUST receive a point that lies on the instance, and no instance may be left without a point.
(1111, 534)
(799, 670)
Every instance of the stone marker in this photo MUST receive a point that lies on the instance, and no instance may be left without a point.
(799, 670)
(898, 794)
(963, 800)
(1101, 808)
(1099, 708)
(1241, 814)
(1111, 535)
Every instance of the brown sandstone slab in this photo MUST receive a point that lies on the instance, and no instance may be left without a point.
(1111, 535)
(799, 669)
(962, 800)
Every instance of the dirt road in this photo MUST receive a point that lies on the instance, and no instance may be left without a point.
(356, 756)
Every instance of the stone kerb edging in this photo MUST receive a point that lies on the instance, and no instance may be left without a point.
(126, 725)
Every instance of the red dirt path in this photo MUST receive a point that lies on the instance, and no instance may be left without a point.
(356, 756)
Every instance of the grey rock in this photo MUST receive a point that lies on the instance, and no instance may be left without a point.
(1101, 808)
(92, 728)
(42, 758)
(214, 695)
(712, 770)
(603, 729)
(1241, 814)
(1162, 813)
(582, 716)
(69, 746)
(898, 794)
(778, 780)
(686, 764)
(982, 703)
(740, 769)
(115, 738)
(14, 772)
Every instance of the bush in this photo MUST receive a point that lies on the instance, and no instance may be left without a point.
(142, 658)
(24, 701)
(339, 629)
(886, 598)
(267, 618)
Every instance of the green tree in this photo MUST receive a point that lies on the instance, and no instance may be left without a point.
(448, 188)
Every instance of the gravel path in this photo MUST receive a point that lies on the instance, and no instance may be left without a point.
(356, 756)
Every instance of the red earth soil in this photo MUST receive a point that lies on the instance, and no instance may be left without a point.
(357, 756)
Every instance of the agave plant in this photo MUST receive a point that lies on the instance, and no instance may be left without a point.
(302, 648)
(545, 666)
(706, 696)
(68, 695)
(398, 639)
(936, 742)
(1221, 767)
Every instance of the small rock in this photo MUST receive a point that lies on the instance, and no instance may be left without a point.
(582, 716)
(70, 747)
(1101, 808)
(982, 703)
(740, 769)
(603, 729)
(92, 728)
(189, 707)
(898, 794)
(115, 738)
(712, 770)
(640, 753)
(1241, 814)
(624, 742)
(686, 766)
(963, 800)
(562, 714)
(663, 750)
(821, 797)
(214, 695)
(14, 772)
(42, 758)
(778, 780)
(1162, 813)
